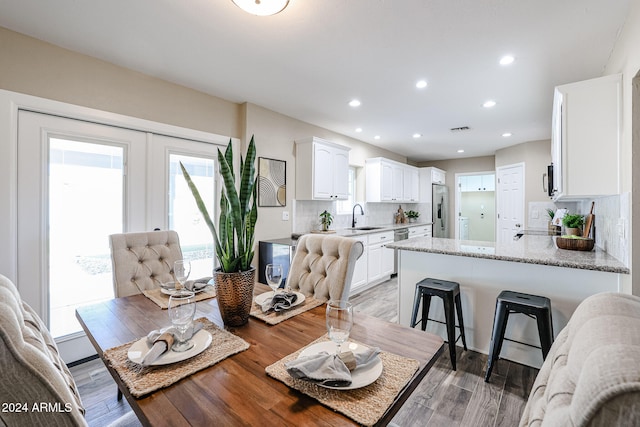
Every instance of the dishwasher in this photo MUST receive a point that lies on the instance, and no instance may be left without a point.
(398, 234)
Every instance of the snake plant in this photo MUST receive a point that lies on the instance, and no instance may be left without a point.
(234, 236)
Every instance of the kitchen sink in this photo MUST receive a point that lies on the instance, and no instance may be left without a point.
(366, 228)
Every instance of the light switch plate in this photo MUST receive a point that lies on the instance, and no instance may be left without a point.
(285, 215)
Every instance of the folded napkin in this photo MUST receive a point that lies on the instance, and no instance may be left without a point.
(330, 369)
(279, 302)
(198, 284)
(162, 340)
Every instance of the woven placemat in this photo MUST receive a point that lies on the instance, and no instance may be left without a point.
(162, 300)
(144, 380)
(273, 318)
(364, 405)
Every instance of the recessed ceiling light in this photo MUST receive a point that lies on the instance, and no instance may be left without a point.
(358, 130)
(417, 135)
(490, 103)
(460, 151)
(506, 134)
(506, 60)
(376, 137)
(421, 84)
(354, 103)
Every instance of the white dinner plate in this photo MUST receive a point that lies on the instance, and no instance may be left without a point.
(260, 299)
(201, 340)
(360, 377)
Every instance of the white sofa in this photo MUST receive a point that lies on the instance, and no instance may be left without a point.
(591, 376)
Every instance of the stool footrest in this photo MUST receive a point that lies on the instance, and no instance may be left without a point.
(523, 343)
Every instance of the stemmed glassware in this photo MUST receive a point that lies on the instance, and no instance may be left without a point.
(182, 309)
(273, 273)
(182, 270)
(339, 321)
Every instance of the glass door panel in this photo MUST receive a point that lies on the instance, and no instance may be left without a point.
(185, 218)
(86, 196)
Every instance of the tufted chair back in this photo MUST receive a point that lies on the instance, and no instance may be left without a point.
(141, 261)
(323, 266)
(33, 373)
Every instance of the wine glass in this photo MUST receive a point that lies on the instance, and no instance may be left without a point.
(273, 273)
(339, 321)
(182, 309)
(181, 270)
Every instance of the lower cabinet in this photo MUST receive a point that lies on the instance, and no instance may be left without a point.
(376, 263)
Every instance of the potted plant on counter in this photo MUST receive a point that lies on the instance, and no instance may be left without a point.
(326, 219)
(573, 224)
(413, 215)
(234, 236)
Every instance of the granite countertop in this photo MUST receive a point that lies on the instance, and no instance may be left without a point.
(350, 232)
(532, 249)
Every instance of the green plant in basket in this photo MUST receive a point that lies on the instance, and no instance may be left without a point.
(234, 236)
(573, 221)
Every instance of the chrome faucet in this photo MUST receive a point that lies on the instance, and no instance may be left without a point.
(353, 214)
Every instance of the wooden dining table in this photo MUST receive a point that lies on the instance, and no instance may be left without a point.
(237, 391)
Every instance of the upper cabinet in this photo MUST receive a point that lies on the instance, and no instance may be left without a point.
(586, 133)
(390, 181)
(428, 177)
(477, 183)
(322, 170)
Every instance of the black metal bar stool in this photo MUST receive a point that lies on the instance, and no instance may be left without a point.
(450, 294)
(516, 302)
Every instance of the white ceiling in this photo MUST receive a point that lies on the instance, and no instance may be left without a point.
(310, 60)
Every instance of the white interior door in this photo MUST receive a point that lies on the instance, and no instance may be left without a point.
(510, 201)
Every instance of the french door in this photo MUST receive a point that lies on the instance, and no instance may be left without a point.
(79, 182)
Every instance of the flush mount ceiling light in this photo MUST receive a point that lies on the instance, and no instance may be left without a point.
(261, 7)
(506, 134)
(490, 103)
(460, 151)
(358, 130)
(506, 60)
(417, 135)
(421, 84)
(354, 103)
(376, 137)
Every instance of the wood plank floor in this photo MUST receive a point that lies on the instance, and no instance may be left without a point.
(444, 398)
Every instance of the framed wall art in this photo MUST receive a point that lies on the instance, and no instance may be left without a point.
(272, 182)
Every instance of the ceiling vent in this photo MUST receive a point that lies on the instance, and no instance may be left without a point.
(460, 129)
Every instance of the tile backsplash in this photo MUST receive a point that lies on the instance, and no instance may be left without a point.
(306, 214)
(611, 221)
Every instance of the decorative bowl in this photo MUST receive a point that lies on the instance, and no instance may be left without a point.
(575, 244)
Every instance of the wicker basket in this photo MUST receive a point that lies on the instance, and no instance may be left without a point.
(575, 244)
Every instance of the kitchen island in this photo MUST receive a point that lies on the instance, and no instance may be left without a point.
(532, 264)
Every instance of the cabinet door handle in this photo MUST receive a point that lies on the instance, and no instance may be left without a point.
(544, 185)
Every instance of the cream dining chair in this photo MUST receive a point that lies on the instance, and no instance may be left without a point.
(142, 261)
(323, 266)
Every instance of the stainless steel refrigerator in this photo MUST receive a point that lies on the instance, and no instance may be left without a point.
(440, 206)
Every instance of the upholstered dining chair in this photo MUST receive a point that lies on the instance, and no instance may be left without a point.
(323, 266)
(142, 261)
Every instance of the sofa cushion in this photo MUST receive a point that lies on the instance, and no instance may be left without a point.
(35, 380)
(591, 376)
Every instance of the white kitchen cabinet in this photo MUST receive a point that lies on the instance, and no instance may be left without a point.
(381, 259)
(429, 176)
(322, 170)
(586, 138)
(420, 231)
(360, 278)
(410, 184)
(384, 180)
(477, 183)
